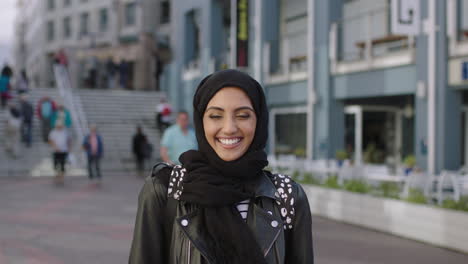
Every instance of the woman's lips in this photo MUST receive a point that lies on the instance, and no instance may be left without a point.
(230, 143)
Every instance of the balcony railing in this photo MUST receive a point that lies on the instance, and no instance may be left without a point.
(366, 37)
(457, 27)
(292, 62)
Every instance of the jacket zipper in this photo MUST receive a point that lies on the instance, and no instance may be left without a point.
(189, 253)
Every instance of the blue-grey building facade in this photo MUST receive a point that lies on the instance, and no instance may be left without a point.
(337, 76)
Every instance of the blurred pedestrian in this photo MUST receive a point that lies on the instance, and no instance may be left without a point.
(61, 115)
(140, 149)
(163, 115)
(94, 147)
(5, 85)
(60, 141)
(177, 139)
(27, 113)
(13, 130)
(22, 84)
(45, 108)
(111, 69)
(61, 58)
(124, 70)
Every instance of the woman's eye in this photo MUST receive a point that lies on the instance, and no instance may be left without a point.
(243, 116)
(215, 116)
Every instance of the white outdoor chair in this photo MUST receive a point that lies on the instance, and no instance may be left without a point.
(456, 182)
(286, 164)
(349, 172)
(417, 180)
(375, 173)
(320, 169)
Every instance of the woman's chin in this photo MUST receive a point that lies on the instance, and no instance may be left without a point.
(229, 155)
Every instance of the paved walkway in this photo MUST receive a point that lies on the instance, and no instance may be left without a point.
(338, 243)
(80, 223)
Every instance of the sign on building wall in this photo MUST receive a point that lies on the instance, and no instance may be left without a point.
(458, 71)
(242, 36)
(464, 70)
(405, 15)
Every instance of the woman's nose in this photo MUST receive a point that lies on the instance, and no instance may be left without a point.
(230, 126)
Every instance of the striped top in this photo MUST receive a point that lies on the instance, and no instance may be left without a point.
(243, 208)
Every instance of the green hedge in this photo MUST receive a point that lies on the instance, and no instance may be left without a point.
(385, 189)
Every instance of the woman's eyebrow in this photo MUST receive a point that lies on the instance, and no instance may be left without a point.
(214, 108)
(245, 108)
(237, 109)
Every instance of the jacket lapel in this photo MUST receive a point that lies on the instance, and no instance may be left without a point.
(192, 226)
(265, 226)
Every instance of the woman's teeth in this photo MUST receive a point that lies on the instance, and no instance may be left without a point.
(229, 141)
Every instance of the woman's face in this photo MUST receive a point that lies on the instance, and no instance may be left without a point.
(229, 121)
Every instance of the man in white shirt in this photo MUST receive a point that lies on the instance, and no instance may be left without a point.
(60, 141)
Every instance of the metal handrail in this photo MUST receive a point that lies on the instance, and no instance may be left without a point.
(76, 109)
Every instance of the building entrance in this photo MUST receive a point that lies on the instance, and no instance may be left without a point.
(378, 134)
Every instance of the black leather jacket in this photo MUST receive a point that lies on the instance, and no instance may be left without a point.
(168, 231)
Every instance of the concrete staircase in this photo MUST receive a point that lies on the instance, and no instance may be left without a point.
(36, 160)
(117, 113)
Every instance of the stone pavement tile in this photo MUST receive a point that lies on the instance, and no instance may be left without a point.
(338, 243)
(77, 223)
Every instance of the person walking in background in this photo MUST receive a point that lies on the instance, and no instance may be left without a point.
(60, 141)
(27, 112)
(5, 85)
(111, 69)
(61, 58)
(163, 115)
(177, 139)
(45, 109)
(22, 84)
(61, 115)
(123, 73)
(12, 131)
(139, 148)
(94, 148)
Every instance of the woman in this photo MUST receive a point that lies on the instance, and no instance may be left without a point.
(5, 85)
(220, 206)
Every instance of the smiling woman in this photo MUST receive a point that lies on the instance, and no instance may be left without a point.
(220, 205)
(229, 123)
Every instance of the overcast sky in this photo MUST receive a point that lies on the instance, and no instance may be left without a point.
(7, 16)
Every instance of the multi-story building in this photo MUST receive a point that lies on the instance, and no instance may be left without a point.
(90, 33)
(336, 75)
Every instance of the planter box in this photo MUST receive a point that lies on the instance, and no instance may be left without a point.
(437, 226)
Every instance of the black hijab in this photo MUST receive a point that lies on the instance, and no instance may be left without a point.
(217, 185)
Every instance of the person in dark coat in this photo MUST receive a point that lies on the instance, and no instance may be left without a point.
(94, 147)
(220, 205)
(139, 148)
(27, 112)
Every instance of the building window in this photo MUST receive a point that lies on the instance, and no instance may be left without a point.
(130, 14)
(192, 35)
(67, 3)
(50, 31)
(165, 11)
(51, 4)
(84, 20)
(67, 27)
(290, 134)
(463, 15)
(103, 20)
